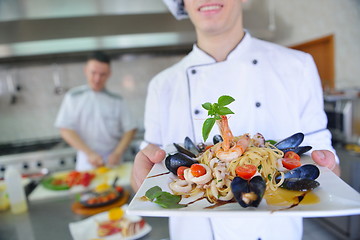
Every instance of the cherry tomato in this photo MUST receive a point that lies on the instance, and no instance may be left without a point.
(246, 171)
(290, 163)
(292, 154)
(180, 172)
(197, 170)
(119, 189)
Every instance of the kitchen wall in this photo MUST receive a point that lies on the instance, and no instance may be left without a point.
(32, 113)
(301, 21)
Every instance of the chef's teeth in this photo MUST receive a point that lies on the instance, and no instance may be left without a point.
(209, 8)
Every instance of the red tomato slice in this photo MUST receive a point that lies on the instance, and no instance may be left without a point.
(197, 170)
(246, 171)
(180, 172)
(290, 163)
(292, 154)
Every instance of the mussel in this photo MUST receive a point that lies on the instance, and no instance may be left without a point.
(248, 193)
(184, 150)
(301, 178)
(174, 161)
(217, 138)
(292, 143)
(189, 149)
(191, 146)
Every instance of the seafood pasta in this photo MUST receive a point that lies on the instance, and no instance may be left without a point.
(219, 164)
(220, 168)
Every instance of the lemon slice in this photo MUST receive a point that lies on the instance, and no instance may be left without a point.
(101, 170)
(116, 214)
(102, 187)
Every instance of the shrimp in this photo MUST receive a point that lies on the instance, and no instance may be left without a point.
(226, 152)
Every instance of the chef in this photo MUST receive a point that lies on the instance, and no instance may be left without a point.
(94, 120)
(277, 93)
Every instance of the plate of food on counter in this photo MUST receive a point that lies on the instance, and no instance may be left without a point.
(67, 180)
(247, 175)
(112, 224)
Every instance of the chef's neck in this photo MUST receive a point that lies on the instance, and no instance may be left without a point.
(219, 46)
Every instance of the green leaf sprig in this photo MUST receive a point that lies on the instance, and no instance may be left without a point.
(215, 111)
(164, 199)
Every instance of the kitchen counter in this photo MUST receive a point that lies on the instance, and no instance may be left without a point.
(50, 220)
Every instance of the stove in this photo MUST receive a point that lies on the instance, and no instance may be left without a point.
(31, 157)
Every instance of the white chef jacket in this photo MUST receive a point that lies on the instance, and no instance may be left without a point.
(277, 93)
(99, 118)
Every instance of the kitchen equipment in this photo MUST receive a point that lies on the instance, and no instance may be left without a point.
(343, 112)
(33, 156)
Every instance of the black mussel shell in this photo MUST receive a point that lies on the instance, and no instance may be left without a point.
(300, 184)
(290, 142)
(299, 150)
(184, 151)
(248, 193)
(190, 145)
(217, 138)
(201, 147)
(307, 171)
(174, 161)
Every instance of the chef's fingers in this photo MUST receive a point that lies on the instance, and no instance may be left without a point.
(327, 159)
(153, 153)
(143, 163)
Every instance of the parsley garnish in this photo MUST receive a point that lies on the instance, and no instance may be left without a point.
(215, 111)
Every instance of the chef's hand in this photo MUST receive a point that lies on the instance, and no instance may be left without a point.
(113, 159)
(144, 160)
(95, 159)
(326, 158)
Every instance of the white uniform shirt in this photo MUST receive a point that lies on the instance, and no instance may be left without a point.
(100, 119)
(277, 93)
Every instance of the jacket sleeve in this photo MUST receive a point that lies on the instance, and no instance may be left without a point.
(313, 117)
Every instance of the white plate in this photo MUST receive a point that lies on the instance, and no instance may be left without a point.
(87, 228)
(336, 199)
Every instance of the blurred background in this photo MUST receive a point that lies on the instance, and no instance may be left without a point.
(44, 44)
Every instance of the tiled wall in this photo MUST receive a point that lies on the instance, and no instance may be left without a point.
(33, 113)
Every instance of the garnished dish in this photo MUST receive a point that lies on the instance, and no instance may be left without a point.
(117, 222)
(238, 168)
(102, 195)
(234, 173)
(112, 224)
(66, 181)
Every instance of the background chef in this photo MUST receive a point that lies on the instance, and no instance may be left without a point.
(94, 120)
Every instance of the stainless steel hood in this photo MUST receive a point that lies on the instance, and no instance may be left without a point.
(48, 27)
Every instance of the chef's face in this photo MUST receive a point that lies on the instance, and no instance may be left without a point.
(97, 73)
(213, 17)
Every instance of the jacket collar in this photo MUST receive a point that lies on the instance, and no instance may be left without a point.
(198, 57)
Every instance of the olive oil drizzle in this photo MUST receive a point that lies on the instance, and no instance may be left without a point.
(298, 198)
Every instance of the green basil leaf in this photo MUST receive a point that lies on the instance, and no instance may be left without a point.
(168, 198)
(224, 111)
(207, 106)
(207, 126)
(271, 142)
(153, 193)
(211, 113)
(225, 100)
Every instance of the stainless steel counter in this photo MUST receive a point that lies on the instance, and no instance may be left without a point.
(50, 220)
